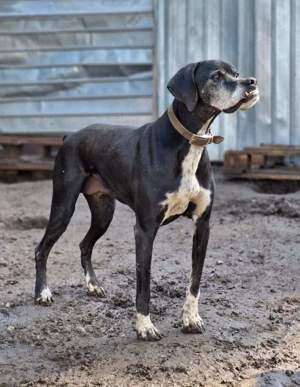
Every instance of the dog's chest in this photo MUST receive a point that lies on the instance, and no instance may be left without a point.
(189, 190)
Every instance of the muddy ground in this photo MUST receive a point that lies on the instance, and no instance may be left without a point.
(250, 297)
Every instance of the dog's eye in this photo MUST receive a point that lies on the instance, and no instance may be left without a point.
(218, 75)
(236, 75)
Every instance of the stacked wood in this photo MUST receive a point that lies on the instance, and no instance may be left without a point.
(26, 152)
(274, 162)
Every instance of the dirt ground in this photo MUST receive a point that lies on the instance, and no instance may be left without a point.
(250, 297)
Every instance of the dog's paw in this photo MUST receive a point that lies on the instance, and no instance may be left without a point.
(95, 290)
(192, 324)
(149, 334)
(145, 330)
(44, 297)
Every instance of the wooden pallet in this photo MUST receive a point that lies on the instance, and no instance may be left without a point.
(28, 152)
(270, 162)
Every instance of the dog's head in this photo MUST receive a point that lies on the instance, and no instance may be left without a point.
(215, 83)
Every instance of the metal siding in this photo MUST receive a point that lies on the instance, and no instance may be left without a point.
(295, 73)
(281, 53)
(245, 65)
(33, 8)
(229, 41)
(260, 37)
(80, 23)
(70, 63)
(213, 50)
(263, 58)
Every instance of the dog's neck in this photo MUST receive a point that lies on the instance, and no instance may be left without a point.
(195, 120)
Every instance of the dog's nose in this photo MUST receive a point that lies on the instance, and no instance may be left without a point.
(251, 81)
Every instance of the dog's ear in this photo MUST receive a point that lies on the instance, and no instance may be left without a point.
(183, 86)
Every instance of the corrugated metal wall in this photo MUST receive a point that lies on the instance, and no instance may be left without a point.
(260, 37)
(67, 63)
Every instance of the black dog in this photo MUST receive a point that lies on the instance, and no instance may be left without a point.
(156, 172)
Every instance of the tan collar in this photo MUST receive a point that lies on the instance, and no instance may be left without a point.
(192, 138)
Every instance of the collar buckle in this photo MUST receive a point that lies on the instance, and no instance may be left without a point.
(194, 139)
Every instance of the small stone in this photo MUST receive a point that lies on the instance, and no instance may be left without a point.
(81, 330)
(289, 373)
(11, 328)
(220, 262)
(7, 305)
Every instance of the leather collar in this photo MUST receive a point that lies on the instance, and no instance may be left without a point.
(192, 138)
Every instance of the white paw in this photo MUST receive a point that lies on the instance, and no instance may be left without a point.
(192, 324)
(45, 297)
(145, 329)
(94, 289)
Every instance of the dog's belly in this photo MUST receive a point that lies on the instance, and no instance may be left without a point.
(189, 190)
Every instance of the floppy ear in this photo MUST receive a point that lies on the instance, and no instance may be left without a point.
(183, 86)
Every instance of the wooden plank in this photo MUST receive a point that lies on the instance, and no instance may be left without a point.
(273, 151)
(16, 165)
(235, 162)
(252, 163)
(6, 139)
(279, 146)
(273, 174)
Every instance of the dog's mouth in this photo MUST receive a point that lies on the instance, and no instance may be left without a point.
(249, 94)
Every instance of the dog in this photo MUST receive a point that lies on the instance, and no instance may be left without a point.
(160, 170)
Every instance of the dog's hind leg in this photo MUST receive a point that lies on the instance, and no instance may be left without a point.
(102, 207)
(67, 183)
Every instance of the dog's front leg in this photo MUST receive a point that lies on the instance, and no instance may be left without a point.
(144, 238)
(192, 322)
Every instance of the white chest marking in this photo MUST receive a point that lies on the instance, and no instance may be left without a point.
(189, 189)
